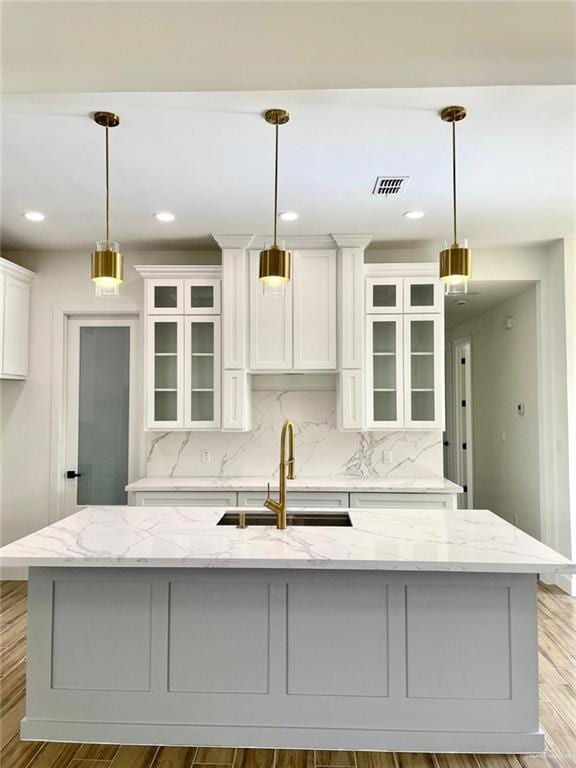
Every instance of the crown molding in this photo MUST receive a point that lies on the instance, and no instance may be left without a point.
(208, 271)
(233, 241)
(352, 241)
(404, 268)
(294, 242)
(15, 270)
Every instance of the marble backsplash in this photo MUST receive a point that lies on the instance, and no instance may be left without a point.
(321, 450)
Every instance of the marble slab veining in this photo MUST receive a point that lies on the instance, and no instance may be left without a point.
(334, 483)
(321, 450)
(475, 541)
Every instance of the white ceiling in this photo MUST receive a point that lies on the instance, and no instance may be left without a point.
(483, 295)
(208, 158)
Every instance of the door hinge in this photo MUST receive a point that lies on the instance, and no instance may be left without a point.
(463, 403)
(463, 360)
(465, 488)
(464, 446)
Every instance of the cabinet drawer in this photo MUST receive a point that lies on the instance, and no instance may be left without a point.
(183, 498)
(402, 500)
(315, 499)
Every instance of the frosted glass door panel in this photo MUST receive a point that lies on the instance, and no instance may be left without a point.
(104, 411)
(421, 295)
(202, 338)
(202, 297)
(385, 407)
(165, 297)
(422, 336)
(166, 338)
(384, 338)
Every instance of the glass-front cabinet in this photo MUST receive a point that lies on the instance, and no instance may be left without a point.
(423, 371)
(183, 349)
(384, 295)
(422, 295)
(165, 374)
(385, 399)
(202, 375)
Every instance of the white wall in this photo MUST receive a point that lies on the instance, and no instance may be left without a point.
(62, 281)
(506, 445)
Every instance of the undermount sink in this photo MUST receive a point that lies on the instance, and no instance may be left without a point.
(328, 519)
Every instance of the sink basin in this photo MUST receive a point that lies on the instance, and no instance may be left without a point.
(327, 519)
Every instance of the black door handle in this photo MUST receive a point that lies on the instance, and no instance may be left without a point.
(71, 474)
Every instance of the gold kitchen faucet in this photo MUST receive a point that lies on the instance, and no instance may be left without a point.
(286, 472)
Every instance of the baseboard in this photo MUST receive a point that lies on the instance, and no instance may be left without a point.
(171, 734)
(567, 583)
(18, 573)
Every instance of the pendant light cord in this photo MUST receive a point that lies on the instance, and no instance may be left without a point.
(107, 191)
(275, 183)
(454, 179)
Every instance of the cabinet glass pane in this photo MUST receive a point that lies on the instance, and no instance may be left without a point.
(202, 338)
(422, 373)
(165, 372)
(165, 296)
(422, 336)
(384, 372)
(165, 338)
(202, 406)
(384, 295)
(423, 406)
(203, 373)
(384, 337)
(385, 406)
(103, 413)
(422, 295)
(202, 296)
(165, 406)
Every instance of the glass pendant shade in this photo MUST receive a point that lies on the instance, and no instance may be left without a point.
(107, 268)
(275, 265)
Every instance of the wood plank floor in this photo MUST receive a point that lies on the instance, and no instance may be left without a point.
(557, 622)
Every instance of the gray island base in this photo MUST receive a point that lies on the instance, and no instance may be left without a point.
(373, 660)
(408, 630)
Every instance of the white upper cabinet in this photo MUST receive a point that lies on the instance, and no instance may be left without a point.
(202, 372)
(314, 310)
(424, 371)
(423, 295)
(295, 330)
(270, 323)
(385, 357)
(15, 284)
(164, 296)
(384, 295)
(201, 297)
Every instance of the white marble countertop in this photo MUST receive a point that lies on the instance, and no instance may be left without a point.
(333, 483)
(474, 541)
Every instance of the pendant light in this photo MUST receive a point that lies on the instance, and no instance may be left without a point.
(274, 261)
(107, 261)
(455, 261)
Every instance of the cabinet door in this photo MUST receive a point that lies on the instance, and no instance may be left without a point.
(384, 295)
(385, 407)
(317, 500)
(424, 371)
(383, 500)
(201, 297)
(16, 327)
(314, 292)
(270, 324)
(350, 400)
(202, 372)
(423, 294)
(164, 349)
(236, 401)
(164, 297)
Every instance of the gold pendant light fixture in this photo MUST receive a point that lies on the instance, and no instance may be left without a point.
(455, 261)
(107, 261)
(274, 261)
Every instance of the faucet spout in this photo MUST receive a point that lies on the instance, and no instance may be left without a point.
(286, 472)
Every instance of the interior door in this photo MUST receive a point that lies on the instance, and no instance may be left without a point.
(99, 411)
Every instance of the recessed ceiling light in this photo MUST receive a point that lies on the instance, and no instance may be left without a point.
(288, 216)
(414, 214)
(33, 216)
(164, 216)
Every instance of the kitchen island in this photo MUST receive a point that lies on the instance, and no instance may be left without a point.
(409, 630)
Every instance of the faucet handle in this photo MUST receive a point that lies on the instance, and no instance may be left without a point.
(290, 475)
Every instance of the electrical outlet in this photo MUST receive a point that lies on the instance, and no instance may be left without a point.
(206, 457)
(387, 457)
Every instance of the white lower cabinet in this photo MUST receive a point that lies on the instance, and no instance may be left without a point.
(368, 500)
(183, 498)
(316, 499)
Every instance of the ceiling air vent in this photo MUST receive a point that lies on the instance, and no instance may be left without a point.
(390, 185)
